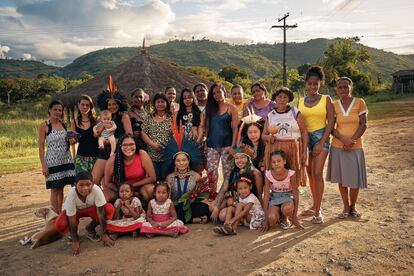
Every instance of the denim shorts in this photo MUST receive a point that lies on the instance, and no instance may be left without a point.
(315, 137)
(278, 198)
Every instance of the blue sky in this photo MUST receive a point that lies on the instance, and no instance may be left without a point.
(57, 31)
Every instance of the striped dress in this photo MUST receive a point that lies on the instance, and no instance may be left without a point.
(58, 159)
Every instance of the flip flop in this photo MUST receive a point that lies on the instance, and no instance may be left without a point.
(317, 219)
(93, 236)
(354, 213)
(307, 213)
(229, 229)
(220, 230)
(343, 215)
(285, 225)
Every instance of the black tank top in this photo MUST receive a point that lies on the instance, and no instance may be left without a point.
(119, 126)
(88, 145)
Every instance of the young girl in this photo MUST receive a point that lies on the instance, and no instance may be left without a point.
(283, 189)
(129, 214)
(161, 215)
(252, 138)
(248, 209)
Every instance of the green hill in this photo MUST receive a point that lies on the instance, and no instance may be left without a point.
(24, 68)
(258, 59)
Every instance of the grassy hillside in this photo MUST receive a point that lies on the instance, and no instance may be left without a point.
(24, 68)
(259, 59)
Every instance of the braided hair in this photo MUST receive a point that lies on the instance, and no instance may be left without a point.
(119, 167)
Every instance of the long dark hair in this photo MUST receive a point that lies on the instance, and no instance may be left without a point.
(119, 167)
(91, 113)
(260, 147)
(194, 108)
(57, 102)
(212, 104)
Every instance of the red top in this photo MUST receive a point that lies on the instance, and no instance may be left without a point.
(134, 172)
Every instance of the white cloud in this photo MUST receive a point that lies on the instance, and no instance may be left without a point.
(3, 51)
(26, 56)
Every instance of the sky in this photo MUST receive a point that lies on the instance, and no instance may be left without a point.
(58, 31)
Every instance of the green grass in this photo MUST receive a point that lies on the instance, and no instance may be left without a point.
(19, 123)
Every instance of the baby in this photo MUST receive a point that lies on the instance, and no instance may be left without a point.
(108, 130)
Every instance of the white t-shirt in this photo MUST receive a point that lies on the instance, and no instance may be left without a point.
(252, 199)
(73, 202)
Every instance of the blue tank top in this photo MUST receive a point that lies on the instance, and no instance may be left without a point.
(220, 133)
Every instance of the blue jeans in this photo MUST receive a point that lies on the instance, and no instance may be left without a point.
(315, 137)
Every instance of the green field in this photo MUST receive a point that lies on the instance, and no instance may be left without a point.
(18, 128)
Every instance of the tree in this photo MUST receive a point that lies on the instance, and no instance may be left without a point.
(341, 59)
(7, 87)
(230, 71)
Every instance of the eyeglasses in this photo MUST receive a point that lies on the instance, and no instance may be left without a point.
(128, 145)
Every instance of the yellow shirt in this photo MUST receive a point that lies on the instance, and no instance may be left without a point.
(315, 117)
(239, 107)
(347, 121)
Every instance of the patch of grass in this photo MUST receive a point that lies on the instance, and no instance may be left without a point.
(20, 164)
(382, 97)
(386, 110)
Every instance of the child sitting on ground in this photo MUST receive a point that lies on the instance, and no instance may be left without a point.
(248, 210)
(283, 201)
(161, 214)
(107, 133)
(85, 200)
(129, 214)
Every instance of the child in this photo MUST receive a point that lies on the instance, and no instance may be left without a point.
(283, 189)
(161, 214)
(248, 209)
(107, 134)
(85, 200)
(129, 214)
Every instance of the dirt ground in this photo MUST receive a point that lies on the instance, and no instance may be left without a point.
(380, 243)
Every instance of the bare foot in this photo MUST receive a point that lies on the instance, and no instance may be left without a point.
(113, 236)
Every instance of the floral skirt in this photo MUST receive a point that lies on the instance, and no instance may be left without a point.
(84, 163)
(124, 225)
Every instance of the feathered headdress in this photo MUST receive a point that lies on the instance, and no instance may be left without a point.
(111, 92)
(180, 144)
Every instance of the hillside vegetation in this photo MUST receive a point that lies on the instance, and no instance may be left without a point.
(259, 59)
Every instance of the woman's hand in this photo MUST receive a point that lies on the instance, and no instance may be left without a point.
(45, 171)
(214, 214)
(72, 141)
(125, 210)
(156, 146)
(317, 149)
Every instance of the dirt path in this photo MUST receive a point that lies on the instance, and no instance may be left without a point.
(380, 243)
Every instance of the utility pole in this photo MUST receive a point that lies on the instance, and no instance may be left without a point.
(284, 27)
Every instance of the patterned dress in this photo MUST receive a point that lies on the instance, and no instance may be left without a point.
(161, 213)
(157, 132)
(58, 159)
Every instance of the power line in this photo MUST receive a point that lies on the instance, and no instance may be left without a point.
(284, 27)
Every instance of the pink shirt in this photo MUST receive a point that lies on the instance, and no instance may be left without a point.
(280, 185)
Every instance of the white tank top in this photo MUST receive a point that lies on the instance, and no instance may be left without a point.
(288, 127)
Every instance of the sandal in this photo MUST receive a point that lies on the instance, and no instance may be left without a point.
(343, 215)
(221, 231)
(317, 219)
(229, 229)
(285, 225)
(354, 213)
(93, 236)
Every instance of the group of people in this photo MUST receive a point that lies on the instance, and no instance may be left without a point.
(140, 171)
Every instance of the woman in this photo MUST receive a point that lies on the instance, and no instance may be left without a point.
(318, 115)
(156, 131)
(137, 112)
(346, 164)
(129, 164)
(237, 99)
(285, 130)
(116, 104)
(201, 91)
(259, 104)
(190, 116)
(57, 165)
(253, 138)
(87, 151)
(171, 94)
(221, 130)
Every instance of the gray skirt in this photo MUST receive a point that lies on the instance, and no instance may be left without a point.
(347, 168)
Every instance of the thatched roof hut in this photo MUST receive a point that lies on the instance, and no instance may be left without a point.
(144, 71)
